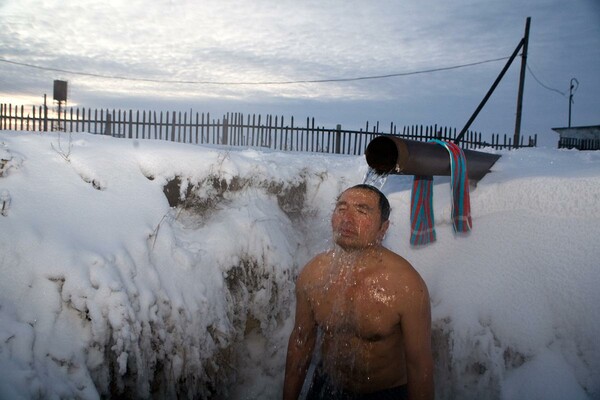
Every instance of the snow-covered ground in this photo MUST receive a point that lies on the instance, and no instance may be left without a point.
(156, 269)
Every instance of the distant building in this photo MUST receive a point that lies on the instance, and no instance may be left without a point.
(579, 137)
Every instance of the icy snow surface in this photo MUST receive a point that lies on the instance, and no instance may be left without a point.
(112, 285)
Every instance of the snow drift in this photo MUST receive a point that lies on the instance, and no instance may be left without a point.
(156, 269)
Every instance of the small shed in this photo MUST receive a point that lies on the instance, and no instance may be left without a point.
(579, 137)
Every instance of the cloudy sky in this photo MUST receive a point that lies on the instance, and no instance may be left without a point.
(292, 58)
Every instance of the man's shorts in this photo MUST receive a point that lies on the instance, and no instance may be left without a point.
(322, 388)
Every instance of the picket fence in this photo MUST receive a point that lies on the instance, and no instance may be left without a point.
(579, 143)
(232, 129)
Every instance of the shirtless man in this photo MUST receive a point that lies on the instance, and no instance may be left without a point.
(371, 308)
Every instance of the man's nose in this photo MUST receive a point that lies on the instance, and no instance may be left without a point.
(348, 216)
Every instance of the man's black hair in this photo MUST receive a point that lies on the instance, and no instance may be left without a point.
(384, 204)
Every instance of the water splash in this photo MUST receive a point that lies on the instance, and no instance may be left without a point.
(343, 293)
(337, 330)
(374, 178)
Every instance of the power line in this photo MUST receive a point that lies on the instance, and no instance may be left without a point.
(545, 86)
(125, 78)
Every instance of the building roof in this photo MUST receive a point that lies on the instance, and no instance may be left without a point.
(582, 132)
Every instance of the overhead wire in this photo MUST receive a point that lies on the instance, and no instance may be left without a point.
(543, 85)
(290, 82)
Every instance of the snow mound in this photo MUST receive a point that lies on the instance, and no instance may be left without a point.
(154, 269)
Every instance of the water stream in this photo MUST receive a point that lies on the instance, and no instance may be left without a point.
(342, 292)
(332, 293)
(351, 306)
(374, 178)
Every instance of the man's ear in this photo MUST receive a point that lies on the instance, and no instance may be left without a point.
(384, 227)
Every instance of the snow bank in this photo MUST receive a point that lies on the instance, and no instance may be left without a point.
(146, 268)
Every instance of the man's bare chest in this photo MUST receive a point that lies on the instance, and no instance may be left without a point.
(357, 307)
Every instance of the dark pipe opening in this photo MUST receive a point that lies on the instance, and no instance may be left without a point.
(382, 155)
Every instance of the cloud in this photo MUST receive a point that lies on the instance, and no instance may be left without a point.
(265, 40)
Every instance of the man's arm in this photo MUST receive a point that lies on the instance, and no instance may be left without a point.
(416, 327)
(301, 343)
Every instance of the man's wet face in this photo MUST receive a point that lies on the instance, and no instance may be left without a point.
(356, 219)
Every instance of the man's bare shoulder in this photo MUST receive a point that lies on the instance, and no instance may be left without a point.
(313, 269)
(394, 258)
(397, 264)
(401, 271)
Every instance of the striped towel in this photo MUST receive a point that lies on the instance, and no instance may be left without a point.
(421, 215)
(421, 211)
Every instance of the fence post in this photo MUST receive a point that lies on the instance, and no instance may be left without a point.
(130, 122)
(107, 127)
(45, 115)
(225, 128)
(172, 126)
(338, 138)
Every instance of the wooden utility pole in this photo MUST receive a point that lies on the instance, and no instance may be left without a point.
(522, 44)
(517, 137)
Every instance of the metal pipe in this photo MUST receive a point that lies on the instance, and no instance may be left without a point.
(389, 154)
(573, 87)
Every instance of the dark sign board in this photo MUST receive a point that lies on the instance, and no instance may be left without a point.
(60, 90)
